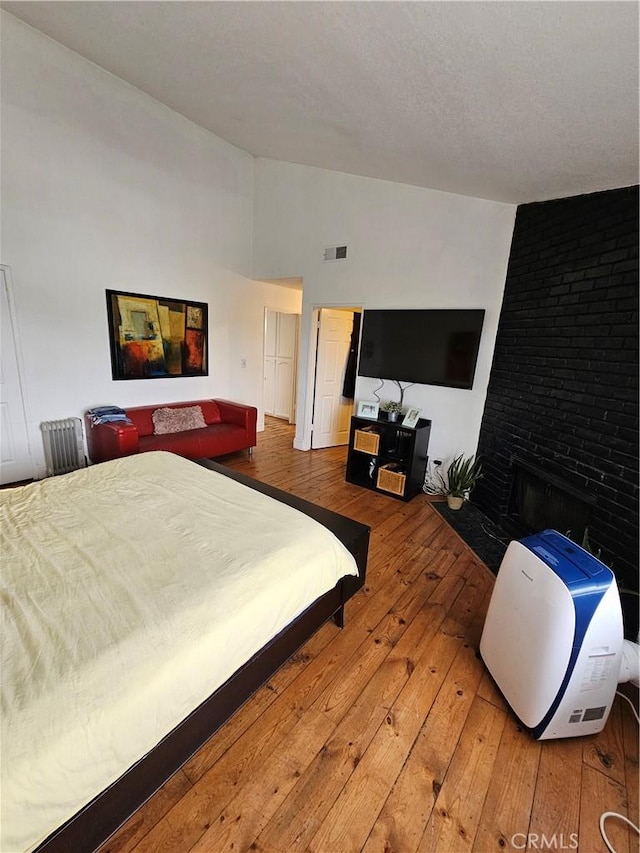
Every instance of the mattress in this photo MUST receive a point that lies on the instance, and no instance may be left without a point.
(131, 590)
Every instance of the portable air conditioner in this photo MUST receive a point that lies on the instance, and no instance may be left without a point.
(553, 636)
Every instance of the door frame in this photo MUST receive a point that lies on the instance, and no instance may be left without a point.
(5, 271)
(307, 415)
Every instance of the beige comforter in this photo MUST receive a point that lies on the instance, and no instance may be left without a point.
(130, 591)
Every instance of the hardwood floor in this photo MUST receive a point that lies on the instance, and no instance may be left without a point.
(388, 735)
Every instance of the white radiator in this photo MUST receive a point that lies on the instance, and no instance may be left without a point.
(63, 446)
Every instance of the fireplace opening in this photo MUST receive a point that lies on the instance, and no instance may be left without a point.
(541, 500)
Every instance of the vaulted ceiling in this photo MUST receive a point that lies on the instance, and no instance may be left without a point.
(512, 101)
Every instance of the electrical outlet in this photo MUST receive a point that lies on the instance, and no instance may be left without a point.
(243, 362)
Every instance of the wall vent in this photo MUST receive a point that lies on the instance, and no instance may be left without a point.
(63, 446)
(335, 253)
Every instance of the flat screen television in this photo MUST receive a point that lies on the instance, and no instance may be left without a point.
(425, 346)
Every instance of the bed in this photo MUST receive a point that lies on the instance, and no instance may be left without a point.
(144, 600)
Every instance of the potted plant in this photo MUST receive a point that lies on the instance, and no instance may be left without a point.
(392, 409)
(462, 475)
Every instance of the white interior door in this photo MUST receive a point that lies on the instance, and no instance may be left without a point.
(270, 340)
(281, 342)
(15, 455)
(331, 411)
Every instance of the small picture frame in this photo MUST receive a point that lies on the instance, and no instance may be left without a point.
(368, 410)
(411, 418)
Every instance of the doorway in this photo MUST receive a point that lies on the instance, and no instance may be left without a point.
(331, 409)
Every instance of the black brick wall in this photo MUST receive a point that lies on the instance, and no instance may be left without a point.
(563, 391)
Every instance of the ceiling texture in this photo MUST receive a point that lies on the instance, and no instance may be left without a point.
(511, 101)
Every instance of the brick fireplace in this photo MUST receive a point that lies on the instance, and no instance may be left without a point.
(559, 434)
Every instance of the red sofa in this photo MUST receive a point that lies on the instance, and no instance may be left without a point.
(229, 427)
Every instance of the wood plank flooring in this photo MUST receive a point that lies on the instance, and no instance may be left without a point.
(388, 736)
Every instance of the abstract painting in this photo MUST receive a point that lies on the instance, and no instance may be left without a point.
(154, 337)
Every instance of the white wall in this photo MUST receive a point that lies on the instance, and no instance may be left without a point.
(103, 187)
(408, 248)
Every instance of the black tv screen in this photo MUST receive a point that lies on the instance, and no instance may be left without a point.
(429, 347)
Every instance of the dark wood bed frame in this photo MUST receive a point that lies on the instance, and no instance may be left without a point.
(98, 820)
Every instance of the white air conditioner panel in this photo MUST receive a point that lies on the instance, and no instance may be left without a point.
(553, 638)
(528, 633)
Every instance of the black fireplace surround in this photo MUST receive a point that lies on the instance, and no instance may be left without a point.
(560, 425)
(540, 499)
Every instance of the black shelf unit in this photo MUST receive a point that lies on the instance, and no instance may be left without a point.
(387, 457)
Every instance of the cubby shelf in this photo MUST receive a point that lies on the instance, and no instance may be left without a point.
(387, 457)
